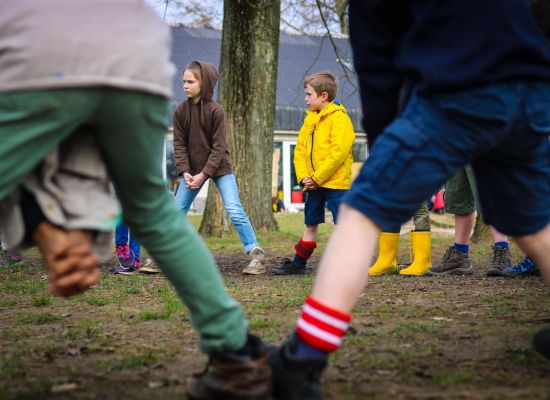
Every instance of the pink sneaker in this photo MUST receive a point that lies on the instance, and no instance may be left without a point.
(125, 256)
(11, 258)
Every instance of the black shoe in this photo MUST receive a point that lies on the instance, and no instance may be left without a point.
(288, 267)
(501, 260)
(234, 375)
(295, 378)
(454, 263)
(541, 341)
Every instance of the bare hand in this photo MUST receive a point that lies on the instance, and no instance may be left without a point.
(196, 181)
(187, 177)
(309, 183)
(69, 257)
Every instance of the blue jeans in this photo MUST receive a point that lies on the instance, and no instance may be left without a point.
(230, 195)
(122, 235)
(501, 130)
(314, 212)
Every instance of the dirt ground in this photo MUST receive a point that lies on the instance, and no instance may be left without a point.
(411, 338)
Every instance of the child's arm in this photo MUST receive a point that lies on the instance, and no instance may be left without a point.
(181, 152)
(219, 142)
(379, 30)
(300, 157)
(341, 139)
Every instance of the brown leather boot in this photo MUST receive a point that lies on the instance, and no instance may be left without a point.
(234, 375)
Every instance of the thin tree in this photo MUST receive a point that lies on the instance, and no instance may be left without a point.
(248, 79)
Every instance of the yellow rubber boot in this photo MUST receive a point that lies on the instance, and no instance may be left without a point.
(388, 243)
(422, 254)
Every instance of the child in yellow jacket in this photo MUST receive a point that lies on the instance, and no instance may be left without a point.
(322, 159)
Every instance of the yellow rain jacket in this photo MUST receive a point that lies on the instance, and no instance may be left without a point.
(324, 147)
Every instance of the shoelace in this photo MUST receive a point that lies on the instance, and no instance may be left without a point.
(448, 254)
(500, 255)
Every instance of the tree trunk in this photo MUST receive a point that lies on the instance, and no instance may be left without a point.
(341, 10)
(482, 232)
(215, 221)
(248, 79)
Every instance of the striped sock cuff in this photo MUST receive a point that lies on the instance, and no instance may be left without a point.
(322, 327)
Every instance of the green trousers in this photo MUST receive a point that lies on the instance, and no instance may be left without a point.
(461, 193)
(130, 128)
(421, 218)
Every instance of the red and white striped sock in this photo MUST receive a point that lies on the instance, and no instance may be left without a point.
(322, 327)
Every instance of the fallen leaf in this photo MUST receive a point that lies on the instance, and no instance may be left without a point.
(64, 387)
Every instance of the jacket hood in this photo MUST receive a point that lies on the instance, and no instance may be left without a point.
(333, 106)
(209, 79)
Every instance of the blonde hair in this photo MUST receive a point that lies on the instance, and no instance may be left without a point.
(195, 68)
(323, 81)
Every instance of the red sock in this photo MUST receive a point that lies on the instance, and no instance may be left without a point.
(304, 249)
(322, 327)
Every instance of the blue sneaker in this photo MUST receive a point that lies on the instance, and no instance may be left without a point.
(525, 267)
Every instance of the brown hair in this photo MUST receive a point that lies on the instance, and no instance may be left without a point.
(195, 68)
(323, 81)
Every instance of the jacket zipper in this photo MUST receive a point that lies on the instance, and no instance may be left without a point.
(311, 153)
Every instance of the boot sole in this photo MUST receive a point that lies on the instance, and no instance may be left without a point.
(422, 274)
(276, 272)
(513, 275)
(229, 397)
(458, 272)
(253, 272)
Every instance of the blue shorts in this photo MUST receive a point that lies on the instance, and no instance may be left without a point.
(501, 129)
(316, 201)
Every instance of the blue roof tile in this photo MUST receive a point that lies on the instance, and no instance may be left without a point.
(299, 56)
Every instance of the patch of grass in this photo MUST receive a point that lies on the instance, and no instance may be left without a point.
(137, 360)
(443, 377)
(42, 301)
(9, 301)
(521, 357)
(171, 302)
(32, 391)
(132, 289)
(150, 314)
(377, 361)
(411, 329)
(43, 318)
(22, 286)
(96, 299)
(11, 366)
(85, 329)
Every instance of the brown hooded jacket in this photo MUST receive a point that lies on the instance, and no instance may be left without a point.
(200, 136)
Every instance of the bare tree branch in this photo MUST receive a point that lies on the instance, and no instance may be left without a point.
(336, 50)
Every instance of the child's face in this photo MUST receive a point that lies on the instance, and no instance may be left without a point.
(314, 101)
(191, 85)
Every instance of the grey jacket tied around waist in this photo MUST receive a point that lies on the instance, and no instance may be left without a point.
(73, 190)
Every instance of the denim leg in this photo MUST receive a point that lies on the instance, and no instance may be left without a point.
(135, 247)
(230, 195)
(334, 199)
(185, 196)
(121, 234)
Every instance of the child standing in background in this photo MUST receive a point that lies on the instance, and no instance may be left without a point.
(200, 151)
(127, 250)
(322, 159)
